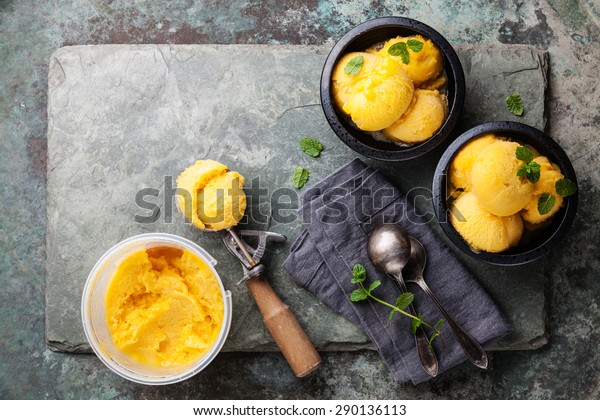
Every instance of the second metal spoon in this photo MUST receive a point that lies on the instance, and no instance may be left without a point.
(413, 272)
(389, 251)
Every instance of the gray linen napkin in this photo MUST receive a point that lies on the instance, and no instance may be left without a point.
(338, 213)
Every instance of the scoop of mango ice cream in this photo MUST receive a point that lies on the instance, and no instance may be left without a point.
(423, 65)
(381, 97)
(495, 182)
(481, 229)
(343, 84)
(164, 307)
(462, 163)
(210, 196)
(422, 120)
(549, 174)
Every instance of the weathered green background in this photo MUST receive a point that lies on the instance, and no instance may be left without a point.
(31, 30)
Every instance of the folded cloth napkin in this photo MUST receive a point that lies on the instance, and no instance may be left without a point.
(337, 215)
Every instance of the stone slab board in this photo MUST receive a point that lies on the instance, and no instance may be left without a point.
(122, 118)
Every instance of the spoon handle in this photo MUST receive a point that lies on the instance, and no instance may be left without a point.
(426, 354)
(472, 348)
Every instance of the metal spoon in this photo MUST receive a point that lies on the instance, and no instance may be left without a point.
(413, 272)
(388, 248)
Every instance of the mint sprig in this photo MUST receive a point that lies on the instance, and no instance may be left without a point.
(515, 104)
(400, 49)
(300, 177)
(352, 68)
(359, 276)
(310, 146)
(530, 170)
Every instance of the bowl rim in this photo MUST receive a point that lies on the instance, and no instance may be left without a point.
(97, 347)
(454, 109)
(440, 183)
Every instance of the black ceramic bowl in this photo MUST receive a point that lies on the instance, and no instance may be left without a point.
(364, 36)
(542, 240)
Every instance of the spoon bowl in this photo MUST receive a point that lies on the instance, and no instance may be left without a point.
(388, 248)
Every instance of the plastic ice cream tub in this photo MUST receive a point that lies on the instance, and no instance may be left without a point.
(95, 325)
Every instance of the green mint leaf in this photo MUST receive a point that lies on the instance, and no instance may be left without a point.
(439, 325)
(545, 203)
(374, 285)
(415, 45)
(416, 323)
(359, 273)
(524, 153)
(533, 174)
(310, 146)
(391, 314)
(404, 300)
(358, 295)
(565, 187)
(400, 49)
(300, 177)
(531, 171)
(523, 170)
(515, 104)
(353, 66)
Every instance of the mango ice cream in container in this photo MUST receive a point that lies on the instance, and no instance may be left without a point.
(155, 310)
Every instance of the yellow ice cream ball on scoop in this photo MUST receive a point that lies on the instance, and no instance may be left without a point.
(481, 229)
(211, 196)
(422, 119)
(381, 97)
(423, 65)
(495, 182)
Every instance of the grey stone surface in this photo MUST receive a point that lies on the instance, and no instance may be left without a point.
(30, 31)
(125, 118)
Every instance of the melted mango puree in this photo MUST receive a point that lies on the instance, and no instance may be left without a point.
(164, 307)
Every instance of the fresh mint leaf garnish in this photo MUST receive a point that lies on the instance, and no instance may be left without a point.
(416, 323)
(515, 104)
(545, 203)
(300, 177)
(415, 45)
(531, 171)
(358, 295)
(400, 49)
(524, 153)
(438, 328)
(310, 146)
(359, 276)
(565, 187)
(352, 68)
(374, 285)
(404, 300)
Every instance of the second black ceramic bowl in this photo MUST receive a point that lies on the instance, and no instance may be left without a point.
(545, 238)
(365, 36)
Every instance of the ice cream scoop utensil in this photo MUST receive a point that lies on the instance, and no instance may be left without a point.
(388, 248)
(413, 272)
(283, 325)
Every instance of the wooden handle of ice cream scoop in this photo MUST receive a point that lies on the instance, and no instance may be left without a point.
(284, 327)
